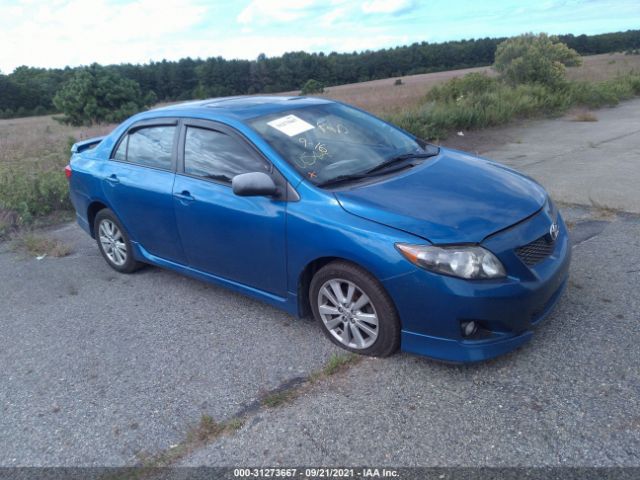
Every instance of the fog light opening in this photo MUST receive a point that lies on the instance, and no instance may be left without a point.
(468, 328)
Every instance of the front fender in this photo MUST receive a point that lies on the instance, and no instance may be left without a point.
(318, 227)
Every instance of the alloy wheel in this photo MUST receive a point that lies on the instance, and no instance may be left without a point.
(112, 242)
(348, 313)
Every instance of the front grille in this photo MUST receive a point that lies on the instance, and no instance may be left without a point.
(536, 251)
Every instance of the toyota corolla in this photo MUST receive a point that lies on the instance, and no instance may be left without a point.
(324, 210)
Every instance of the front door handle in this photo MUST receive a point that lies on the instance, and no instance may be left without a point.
(184, 196)
(112, 179)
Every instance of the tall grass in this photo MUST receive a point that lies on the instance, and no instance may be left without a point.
(478, 101)
(33, 192)
(33, 189)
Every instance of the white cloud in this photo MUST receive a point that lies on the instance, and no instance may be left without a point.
(265, 11)
(331, 17)
(386, 6)
(56, 33)
(73, 32)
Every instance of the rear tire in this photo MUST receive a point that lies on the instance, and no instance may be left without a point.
(113, 242)
(354, 310)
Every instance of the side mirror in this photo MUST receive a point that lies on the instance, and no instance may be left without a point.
(253, 184)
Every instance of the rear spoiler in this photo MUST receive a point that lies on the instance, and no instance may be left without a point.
(88, 144)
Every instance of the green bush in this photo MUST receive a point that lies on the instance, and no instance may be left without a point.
(31, 194)
(533, 58)
(457, 88)
(607, 93)
(39, 111)
(29, 190)
(312, 86)
(478, 101)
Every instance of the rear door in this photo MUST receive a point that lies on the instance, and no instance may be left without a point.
(237, 238)
(138, 183)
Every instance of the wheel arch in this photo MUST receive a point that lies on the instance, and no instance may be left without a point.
(307, 273)
(92, 210)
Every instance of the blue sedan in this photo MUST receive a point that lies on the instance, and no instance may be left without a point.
(322, 209)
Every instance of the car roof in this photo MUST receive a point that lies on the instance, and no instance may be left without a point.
(240, 107)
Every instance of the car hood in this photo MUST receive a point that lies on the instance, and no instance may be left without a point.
(450, 198)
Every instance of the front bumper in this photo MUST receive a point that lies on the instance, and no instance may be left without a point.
(432, 306)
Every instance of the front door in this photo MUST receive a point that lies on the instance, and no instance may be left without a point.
(237, 238)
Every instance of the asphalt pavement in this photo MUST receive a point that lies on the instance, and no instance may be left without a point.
(100, 368)
(571, 397)
(589, 163)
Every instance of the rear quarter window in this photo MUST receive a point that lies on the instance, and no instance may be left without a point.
(148, 146)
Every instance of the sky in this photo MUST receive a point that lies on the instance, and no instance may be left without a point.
(57, 33)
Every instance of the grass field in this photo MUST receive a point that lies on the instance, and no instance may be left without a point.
(382, 97)
(34, 150)
(37, 139)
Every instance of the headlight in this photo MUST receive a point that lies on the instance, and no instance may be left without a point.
(462, 261)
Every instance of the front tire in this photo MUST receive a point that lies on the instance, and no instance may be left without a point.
(354, 310)
(113, 242)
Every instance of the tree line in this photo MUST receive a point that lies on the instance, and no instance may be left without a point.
(30, 91)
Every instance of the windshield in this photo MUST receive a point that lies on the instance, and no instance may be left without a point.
(332, 141)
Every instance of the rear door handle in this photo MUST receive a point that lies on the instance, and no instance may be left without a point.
(184, 196)
(112, 179)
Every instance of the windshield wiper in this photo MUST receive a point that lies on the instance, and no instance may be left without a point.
(342, 178)
(400, 158)
(360, 175)
(380, 167)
